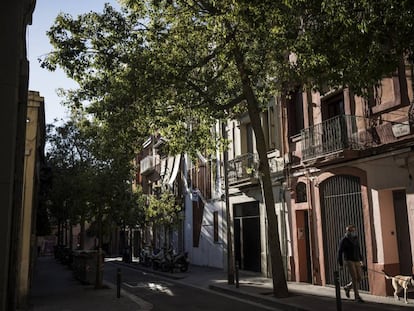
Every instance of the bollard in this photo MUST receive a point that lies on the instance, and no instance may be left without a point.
(337, 291)
(237, 274)
(118, 283)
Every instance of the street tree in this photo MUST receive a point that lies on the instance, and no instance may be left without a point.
(163, 210)
(70, 161)
(91, 179)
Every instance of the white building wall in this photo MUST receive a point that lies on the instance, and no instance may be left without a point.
(208, 253)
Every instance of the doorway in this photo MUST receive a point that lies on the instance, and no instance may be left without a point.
(304, 254)
(341, 205)
(403, 232)
(247, 247)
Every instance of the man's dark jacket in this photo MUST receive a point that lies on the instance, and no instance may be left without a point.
(349, 250)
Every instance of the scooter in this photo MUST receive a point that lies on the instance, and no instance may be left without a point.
(157, 258)
(145, 256)
(173, 261)
(181, 261)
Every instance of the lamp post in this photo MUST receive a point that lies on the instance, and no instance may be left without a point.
(229, 220)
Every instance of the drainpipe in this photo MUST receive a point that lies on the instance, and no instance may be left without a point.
(284, 227)
(284, 149)
(310, 226)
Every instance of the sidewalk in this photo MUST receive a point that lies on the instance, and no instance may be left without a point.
(303, 296)
(55, 289)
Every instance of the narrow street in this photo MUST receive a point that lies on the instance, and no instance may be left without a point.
(162, 294)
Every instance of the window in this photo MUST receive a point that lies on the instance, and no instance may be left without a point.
(295, 113)
(216, 229)
(301, 193)
(333, 106)
(201, 178)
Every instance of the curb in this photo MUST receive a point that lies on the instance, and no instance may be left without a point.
(272, 302)
(143, 305)
(263, 300)
(149, 270)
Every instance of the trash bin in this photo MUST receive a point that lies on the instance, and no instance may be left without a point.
(84, 265)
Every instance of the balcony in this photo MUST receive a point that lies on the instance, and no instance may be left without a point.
(336, 135)
(244, 168)
(148, 164)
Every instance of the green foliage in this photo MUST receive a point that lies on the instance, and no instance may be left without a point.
(157, 56)
(350, 43)
(163, 209)
(129, 206)
(91, 175)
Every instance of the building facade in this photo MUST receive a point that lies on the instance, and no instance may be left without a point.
(16, 15)
(350, 162)
(198, 230)
(158, 172)
(246, 203)
(335, 158)
(34, 159)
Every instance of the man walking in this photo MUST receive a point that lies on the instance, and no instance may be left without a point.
(349, 251)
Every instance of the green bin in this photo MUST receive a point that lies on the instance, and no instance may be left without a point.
(84, 265)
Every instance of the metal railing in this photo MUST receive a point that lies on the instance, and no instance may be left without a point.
(148, 164)
(342, 132)
(245, 166)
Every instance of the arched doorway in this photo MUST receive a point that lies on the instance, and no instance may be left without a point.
(341, 205)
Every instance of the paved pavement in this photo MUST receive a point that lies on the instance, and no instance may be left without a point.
(54, 289)
(303, 296)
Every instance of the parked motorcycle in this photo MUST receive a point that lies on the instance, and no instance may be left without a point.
(157, 258)
(145, 256)
(175, 261)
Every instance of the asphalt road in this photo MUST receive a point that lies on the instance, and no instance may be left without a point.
(161, 294)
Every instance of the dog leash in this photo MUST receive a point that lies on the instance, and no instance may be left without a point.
(385, 274)
(375, 271)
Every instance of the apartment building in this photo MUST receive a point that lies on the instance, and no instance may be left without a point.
(158, 173)
(199, 230)
(350, 161)
(246, 203)
(13, 87)
(208, 219)
(33, 162)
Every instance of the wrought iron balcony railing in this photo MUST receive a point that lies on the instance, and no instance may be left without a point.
(245, 167)
(148, 164)
(342, 132)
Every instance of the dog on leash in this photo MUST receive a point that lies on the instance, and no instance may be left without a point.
(401, 282)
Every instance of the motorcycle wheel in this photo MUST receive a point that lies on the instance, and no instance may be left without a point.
(164, 267)
(184, 267)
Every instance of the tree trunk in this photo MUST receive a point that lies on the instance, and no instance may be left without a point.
(280, 288)
(70, 235)
(59, 242)
(82, 233)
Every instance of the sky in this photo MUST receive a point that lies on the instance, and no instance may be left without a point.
(42, 80)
